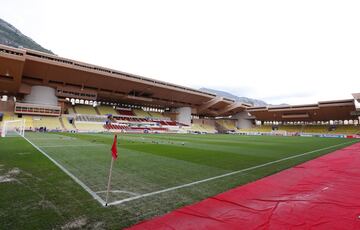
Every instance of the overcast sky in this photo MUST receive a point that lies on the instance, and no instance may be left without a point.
(279, 51)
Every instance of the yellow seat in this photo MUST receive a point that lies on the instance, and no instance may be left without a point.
(106, 109)
(85, 109)
(141, 113)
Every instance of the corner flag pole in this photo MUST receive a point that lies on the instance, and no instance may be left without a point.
(113, 157)
(109, 181)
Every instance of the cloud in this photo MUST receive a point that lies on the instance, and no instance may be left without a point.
(264, 50)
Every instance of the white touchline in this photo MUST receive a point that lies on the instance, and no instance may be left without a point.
(55, 138)
(93, 194)
(220, 176)
(58, 146)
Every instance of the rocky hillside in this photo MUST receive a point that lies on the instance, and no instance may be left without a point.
(11, 36)
(247, 100)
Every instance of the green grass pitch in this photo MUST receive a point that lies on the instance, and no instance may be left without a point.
(36, 194)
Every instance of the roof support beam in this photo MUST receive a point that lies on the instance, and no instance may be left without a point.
(230, 107)
(208, 104)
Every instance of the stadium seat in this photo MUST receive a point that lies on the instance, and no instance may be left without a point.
(257, 128)
(347, 129)
(156, 115)
(71, 110)
(226, 124)
(29, 125)
(66, 124)
(106, 109)
(85, 109)
(89, 127)
(125, 112)
(91, 118)
(141, 113)
(51, 123)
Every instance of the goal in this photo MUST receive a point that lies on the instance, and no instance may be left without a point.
(13, 128)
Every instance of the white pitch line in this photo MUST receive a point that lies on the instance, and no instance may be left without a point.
(120, 191)
(220, 176)
(58, 146)
(55, 138)
(93, 194)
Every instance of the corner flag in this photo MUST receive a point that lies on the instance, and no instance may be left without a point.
(114, 156)
(114, 148)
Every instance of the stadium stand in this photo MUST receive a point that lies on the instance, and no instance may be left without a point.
(209, 128)
(71, 110)
(115, 127)
(171, 123)
(91, 118)
(347, 129)
(226, 125)
(320, 129)
(141, 113)
(29, 124)
(85, 109)
(257, 128)
(50, 123)
(197, 128)
(291, 128)
(148, 96)
(134, 129)
(156, 115)
(106, 109)
(7, 116)
(66, 124)
(87, 119)
(125, 112)
(89, 127)
(315, 129)
(131, 119)
(203, 126)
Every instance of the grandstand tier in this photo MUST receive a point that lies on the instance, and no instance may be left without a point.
(49, 123)
(125, 112)
(106, 110)
(66, 124)
(89, 127)
(35, 96)
(85, 109)
(141, 113)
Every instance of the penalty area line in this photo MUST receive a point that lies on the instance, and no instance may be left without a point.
(77, 180)
(223, 175)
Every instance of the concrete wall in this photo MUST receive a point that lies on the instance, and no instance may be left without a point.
(7, 106)
(41, 95)
(184, 115)
(243, 121)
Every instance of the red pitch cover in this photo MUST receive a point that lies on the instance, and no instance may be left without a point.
(320, 194)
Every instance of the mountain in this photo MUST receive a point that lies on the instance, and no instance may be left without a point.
(11, 36)
(254, 102)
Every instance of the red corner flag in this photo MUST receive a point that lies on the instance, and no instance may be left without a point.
(114, 148)
(114, 156)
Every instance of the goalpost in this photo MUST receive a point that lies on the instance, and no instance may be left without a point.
(13, 128)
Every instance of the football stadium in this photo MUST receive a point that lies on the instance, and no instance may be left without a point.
(180, 158)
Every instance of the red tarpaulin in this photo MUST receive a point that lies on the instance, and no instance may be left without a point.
(323, 193)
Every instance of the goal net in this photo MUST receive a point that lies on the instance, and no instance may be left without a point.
(13, 128)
